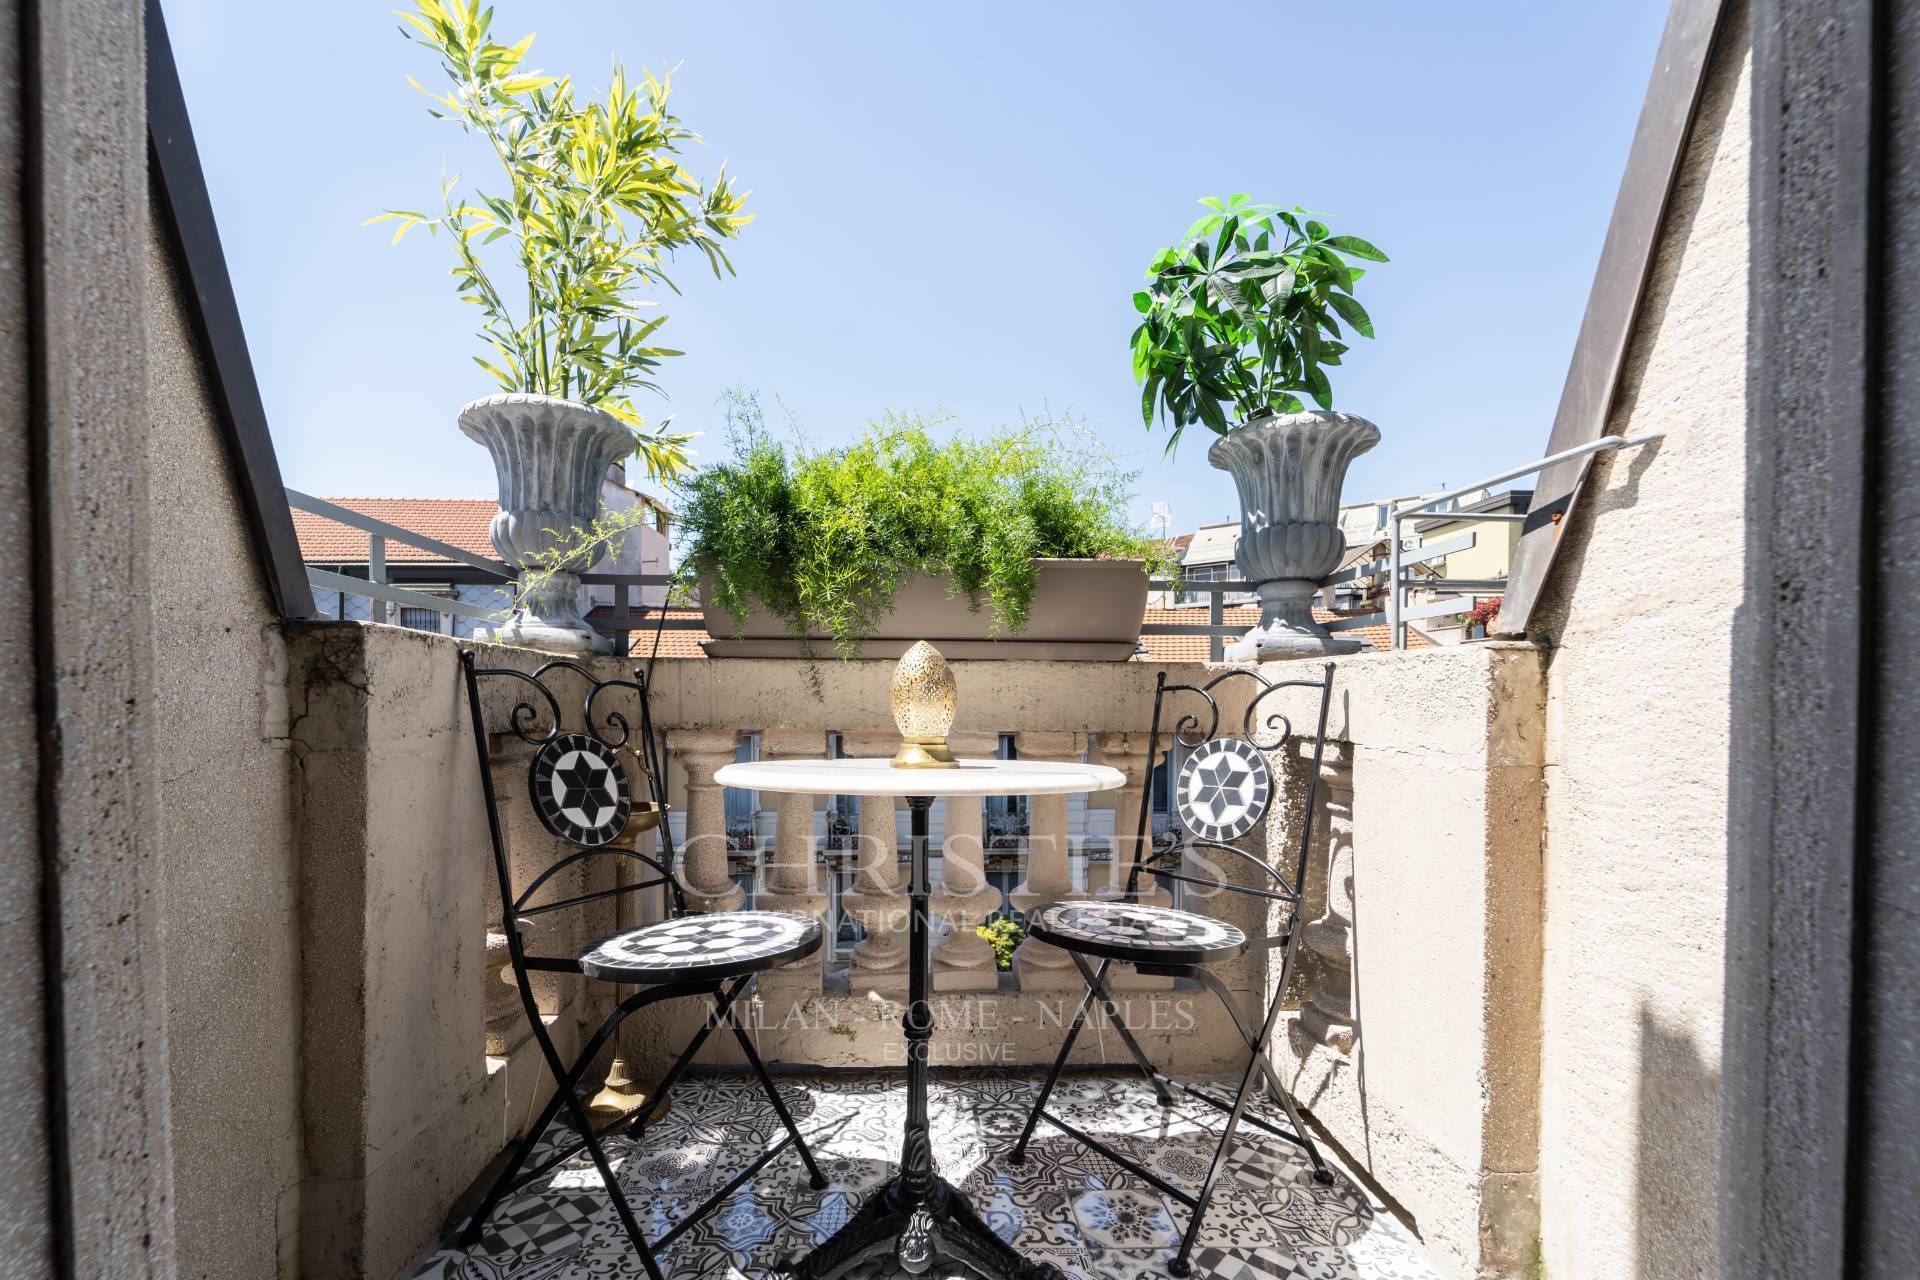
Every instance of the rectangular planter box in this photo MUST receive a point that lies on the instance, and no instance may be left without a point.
(1083, 611)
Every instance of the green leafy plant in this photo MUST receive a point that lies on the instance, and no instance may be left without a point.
(596, 205)
(1245, 312)
(823, 538)
(1005, 935)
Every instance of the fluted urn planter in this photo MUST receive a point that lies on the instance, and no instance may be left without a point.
(1289, 468)
(550, 456)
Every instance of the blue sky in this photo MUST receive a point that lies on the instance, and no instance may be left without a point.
(955, 204)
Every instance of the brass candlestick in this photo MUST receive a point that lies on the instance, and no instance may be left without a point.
(924, 702)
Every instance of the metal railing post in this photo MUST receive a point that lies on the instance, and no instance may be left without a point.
(1216, 618)
(622, 617)
(1397, 638)
(377, 572)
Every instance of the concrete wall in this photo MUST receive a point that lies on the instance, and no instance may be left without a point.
(1435, 1095)
(1887, 1120)
(26, 1206)
(108, 1156)
(232, 953)
(396, 1108)
(1639, 618)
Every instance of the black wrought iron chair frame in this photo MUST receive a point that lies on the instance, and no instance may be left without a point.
(613, 730)
(1267, 735)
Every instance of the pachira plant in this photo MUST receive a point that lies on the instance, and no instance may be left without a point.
(1243, 316)
(596, 205)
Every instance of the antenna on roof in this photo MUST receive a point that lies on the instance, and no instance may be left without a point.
(1160, 519)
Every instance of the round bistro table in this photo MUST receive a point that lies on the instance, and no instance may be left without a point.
(917, 1214)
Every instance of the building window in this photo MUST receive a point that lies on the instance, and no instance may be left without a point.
(419, 619)
(1200, 573)
(1349, 596)
(1006, 816)
(743, 807)
(422, 618)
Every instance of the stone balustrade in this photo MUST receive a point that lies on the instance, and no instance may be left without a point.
(791, 874)
(841, 1007)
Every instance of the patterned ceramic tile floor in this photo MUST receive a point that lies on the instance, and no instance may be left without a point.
(1066, 1205)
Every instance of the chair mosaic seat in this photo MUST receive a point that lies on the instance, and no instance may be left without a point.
(723, 944)
(1136, 933)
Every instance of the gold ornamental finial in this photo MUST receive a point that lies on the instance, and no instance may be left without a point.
(924, 703)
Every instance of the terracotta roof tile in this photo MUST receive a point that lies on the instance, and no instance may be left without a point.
(1194, 648)
(459, 522)
(673, 643)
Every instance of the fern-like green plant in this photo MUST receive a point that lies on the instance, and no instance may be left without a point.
(596, 204)
(823, 538)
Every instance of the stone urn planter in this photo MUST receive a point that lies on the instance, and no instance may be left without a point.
(1289, 468)
(550, 456)
(1083, 611)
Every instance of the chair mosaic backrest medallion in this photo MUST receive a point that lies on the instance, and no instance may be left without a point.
(581, 777)
(1224, 787)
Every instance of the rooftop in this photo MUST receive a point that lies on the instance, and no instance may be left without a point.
(459, 522)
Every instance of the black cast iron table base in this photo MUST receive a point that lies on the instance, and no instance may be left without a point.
(943, 1227)
(918, 1216)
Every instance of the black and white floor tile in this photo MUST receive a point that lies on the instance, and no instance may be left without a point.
(1066, 1205)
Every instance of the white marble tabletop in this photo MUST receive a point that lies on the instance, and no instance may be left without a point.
(866, 777)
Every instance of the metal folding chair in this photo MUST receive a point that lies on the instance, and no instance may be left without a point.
(579, 789)
(1223, 791)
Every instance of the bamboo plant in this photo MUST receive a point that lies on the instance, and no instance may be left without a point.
(596, 204)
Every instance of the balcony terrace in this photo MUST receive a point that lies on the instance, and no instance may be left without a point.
(1394, 1022)
(1606, 943)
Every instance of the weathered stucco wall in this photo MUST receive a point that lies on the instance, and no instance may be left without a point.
(232, 954)
(1639, 616)
(399, 1109)
(1436, 1094)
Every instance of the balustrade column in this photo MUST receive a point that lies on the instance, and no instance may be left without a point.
(875, 901)
(792, 879)
(703, 848)
(506, 1023)
(1049, 866)
(1326, 941)
(963, 898)
(1128, 752)
(531, 849)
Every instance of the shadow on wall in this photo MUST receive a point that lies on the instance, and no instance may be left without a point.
(1324, 1039)
(1676, 1165)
